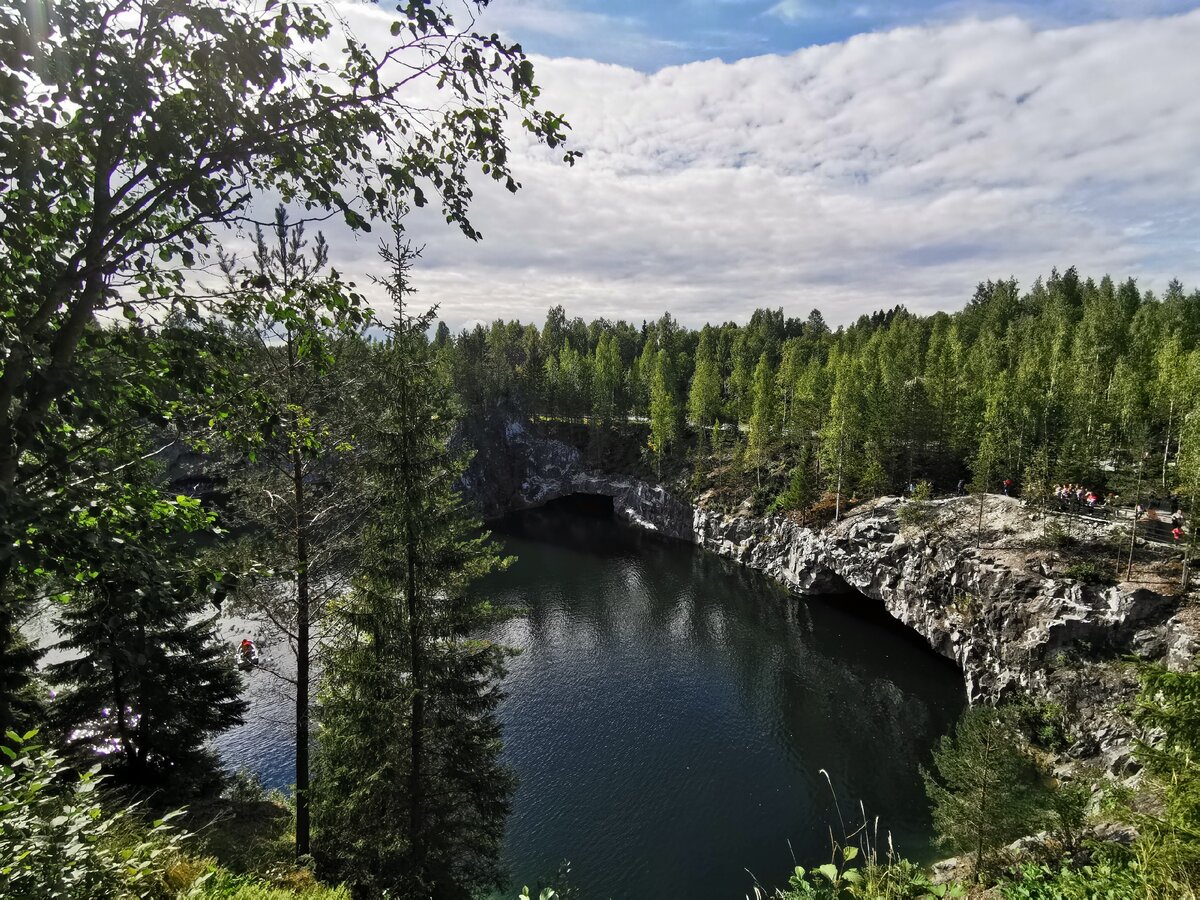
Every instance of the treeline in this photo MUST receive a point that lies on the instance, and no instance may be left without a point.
(1063, 382)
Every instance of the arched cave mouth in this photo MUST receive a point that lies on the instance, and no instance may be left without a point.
(873, 613)
(596, 506)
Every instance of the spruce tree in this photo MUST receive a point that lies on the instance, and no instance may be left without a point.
(801, 492)
(148, 681)
(409, 793)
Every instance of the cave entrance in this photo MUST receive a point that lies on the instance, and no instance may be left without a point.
(598, 506)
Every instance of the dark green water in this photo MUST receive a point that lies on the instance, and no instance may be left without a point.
(670, 714)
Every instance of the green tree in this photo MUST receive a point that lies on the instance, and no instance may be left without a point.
(873, 479)
(607, 380)
(147, 681)
(409, 793)
(292, 438)
(764, 420)
(801, 491)
(704, 396)
(985, 787)
(841, 428)
(665, 413)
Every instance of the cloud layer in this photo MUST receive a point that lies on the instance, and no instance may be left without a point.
(895, 167)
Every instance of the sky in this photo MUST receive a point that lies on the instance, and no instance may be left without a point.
(848, 156)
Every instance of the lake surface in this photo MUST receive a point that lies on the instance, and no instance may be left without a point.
(670, 712)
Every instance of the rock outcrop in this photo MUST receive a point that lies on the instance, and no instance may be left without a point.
(983, 600)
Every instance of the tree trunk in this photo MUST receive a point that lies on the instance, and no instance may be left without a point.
(303, 827)
(416, 814)
(1137, 499)
(1167, 442)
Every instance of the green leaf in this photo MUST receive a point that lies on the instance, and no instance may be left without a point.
(830, 871)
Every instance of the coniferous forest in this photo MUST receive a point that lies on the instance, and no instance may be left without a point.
(203, 413)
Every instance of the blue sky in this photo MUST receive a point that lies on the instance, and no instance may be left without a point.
(650, 34)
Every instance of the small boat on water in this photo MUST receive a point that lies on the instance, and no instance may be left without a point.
(247, 654)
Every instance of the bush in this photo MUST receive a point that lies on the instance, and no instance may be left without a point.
(56, 840)
(224, 886)
(1090, 572)
(894, 878)
(1100, 880)
(1055, 537)
(917, 511)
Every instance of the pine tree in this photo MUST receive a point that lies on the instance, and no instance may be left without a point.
(985, 788)
(148, 682)
(409, 793)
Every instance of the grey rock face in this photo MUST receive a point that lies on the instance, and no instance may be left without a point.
(1004, 626)
(519, 470)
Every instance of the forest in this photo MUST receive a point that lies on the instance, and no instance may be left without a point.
(199, 412)
(1073, 380)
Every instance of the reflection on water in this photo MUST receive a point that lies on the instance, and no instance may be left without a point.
(670, 714)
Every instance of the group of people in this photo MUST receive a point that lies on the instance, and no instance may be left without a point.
(1077, 494)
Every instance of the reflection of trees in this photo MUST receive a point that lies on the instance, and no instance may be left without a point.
(832, 690)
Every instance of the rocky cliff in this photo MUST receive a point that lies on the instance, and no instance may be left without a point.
(984, 600)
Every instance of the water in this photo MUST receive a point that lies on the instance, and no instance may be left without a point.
(670, 713)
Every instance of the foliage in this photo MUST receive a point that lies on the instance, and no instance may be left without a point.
(1101, 879)
(224, 885)
(851, 876)
(1168, 712)
(290, 440)
(131, 131)
(665, 412)
(1090, 571)
(801, 491)
(57, 840)
(918, 511)
(1055, 537)
(985, 786)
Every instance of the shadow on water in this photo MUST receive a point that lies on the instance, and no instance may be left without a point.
(671, 711)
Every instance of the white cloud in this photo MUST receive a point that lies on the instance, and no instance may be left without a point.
(897, 167)
(795, 10)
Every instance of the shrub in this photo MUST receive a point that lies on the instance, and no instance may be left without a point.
(917, 510)
(57, 841)
(1100, 880)
(1090, 572)
(1055, 537)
